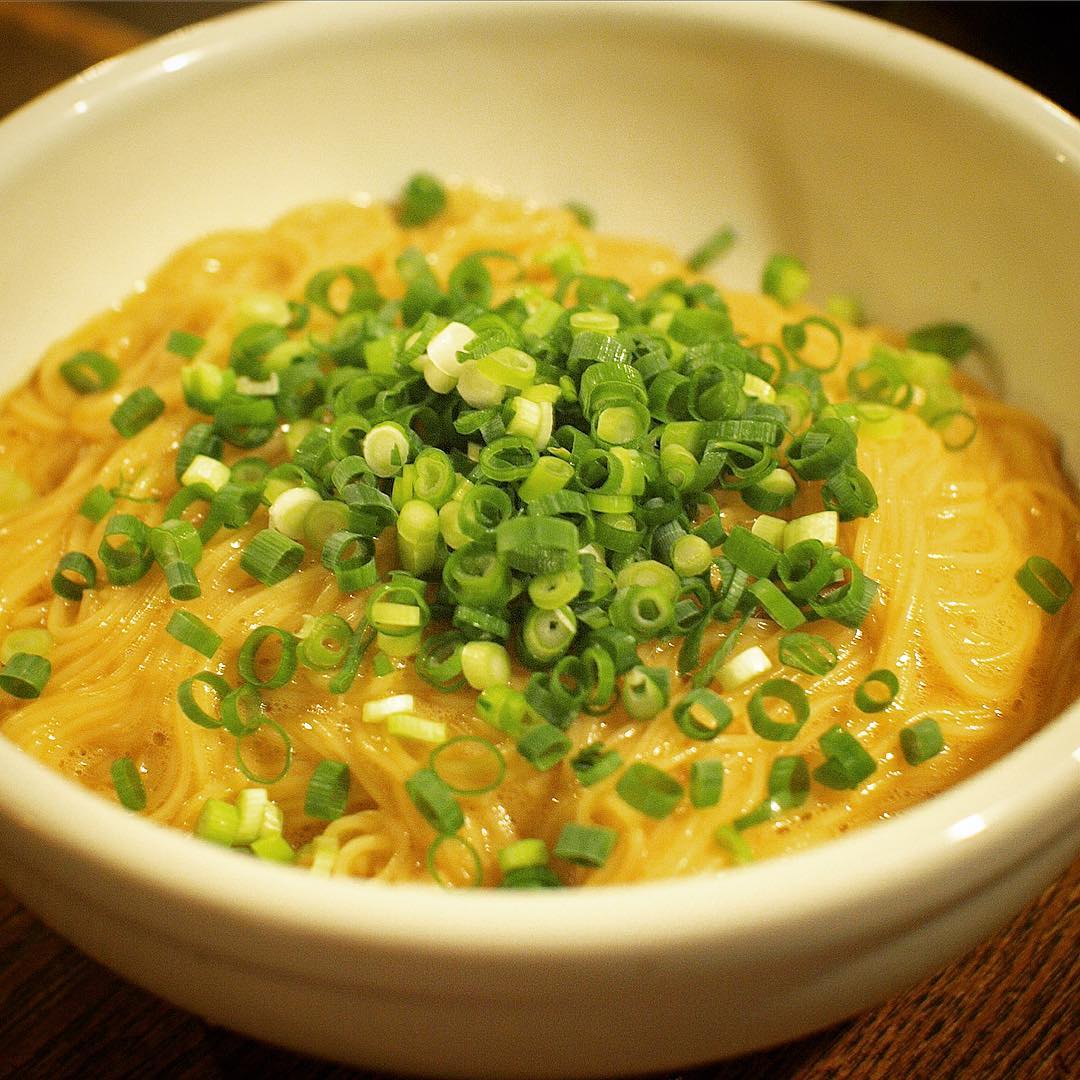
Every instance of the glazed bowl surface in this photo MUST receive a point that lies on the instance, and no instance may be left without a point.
(932, 184)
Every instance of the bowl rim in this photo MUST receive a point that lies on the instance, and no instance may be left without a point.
(992, 819)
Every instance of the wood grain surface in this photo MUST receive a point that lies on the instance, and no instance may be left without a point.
(1009, 1010)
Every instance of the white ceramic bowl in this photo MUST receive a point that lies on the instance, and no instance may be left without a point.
(923, 179)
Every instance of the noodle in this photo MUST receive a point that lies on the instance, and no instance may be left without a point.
(967, 645)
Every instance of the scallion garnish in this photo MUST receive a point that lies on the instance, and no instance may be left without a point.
(422, 198)
(1044, 583)
(190, 630)
(137, 411)
(128, 784)
(270, 557)
(89, 372)
(846, 764)
(435, 801)
(649, 789)
(25, 675)
(869, 698)
(585, 845)
(75, 573)
(921, 740)
(327, 791)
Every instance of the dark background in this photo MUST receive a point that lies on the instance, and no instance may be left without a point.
(1034, 42)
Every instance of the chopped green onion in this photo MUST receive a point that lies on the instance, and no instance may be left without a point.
(324, 642)
(248, 662)
(595, 763)
(128, 561)
(468, 765)
(97, 503)
(649, 789)
(645, 691)
(31, 639)
(218, 822)
(785, 279)
(706, 783)
(743, 667)
(25, 675)
(730, 838)
(327, 791)
(137, 411)
(84, 571)
(585, 845)
(181, 343)
(185, 698)
(128, 784)
(921, 741)
(717, 245)
(521, 854)
(273, 848)
(846, 763)
(422, 199)
(1044, 583)
(420, 728)
(270, 557)
(702, 714)
(251, 804)
(951, 340)
(544, 746)
(190, 630)
(750, 553)
(809, 653)
(435, 801)
(792, 695)
(249, 732)
(846, 308)
(586, 216)
(90, 372)
(870, 700)
(484, 664)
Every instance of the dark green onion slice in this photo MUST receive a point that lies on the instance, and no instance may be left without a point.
(649, 789)
(810, 653)
(190, 630)
(716, 246)
(468, 764)
(776, 605)
(585, 845)
(435, 801)
(327, 792)
(25, 675)
(921, 741)
(362, 638)
(248, 661)
(181, 581)
(445, 842)
(706, 783)
(785, 279)
(90, 372)
(242, 712)
(750, 553)
(422, 198)
(951, 340)
(185, 698)
(846, 763)
(585, 215)
(72, 587)
(1044, 583)
(137, 411)
(270, 557)
(792, 695)
(594, 763)
(181, 343)
(128, 784)
(286, 742)
(702, 714)
(325, 643)
(871, 700)
(128, 561)
(544, 746)
(97, 503)
(730, 838)
(531, 877)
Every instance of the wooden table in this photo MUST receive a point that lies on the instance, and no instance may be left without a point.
(1010, 1009)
